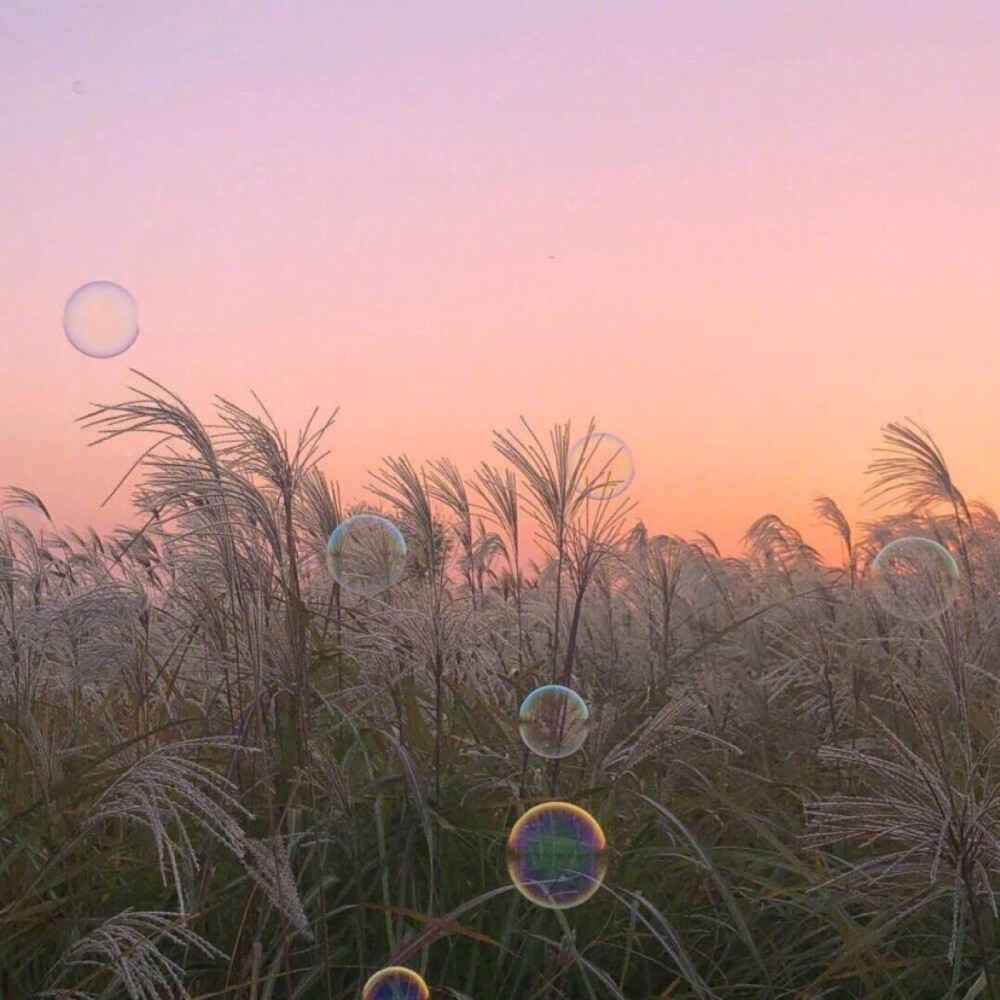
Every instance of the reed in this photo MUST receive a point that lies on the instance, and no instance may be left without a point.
(224, 776)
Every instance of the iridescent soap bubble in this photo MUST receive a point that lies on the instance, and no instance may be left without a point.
(915, 578)
(366, 554)
(554, 721)
(556, 855)
(395, 982)
(609, 469)
(101, 319)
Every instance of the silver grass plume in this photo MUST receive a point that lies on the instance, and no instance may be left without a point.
(269, 866)
(127, 946)
(655, 736)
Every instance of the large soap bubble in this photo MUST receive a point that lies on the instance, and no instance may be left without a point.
(556, 855)
(554, 721)
(101, 319)
(395, 982)
(915, 578)
(609, 469)
(366, 554)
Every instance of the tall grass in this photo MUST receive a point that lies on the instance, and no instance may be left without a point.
(221, 775)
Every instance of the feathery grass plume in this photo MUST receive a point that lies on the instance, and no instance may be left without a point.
(592, 537)
(164, 791)
(445, 484)
(553, 496)
(772, 542)
(583, 533)
(487, 548)
(179, 485)
(657, 566)
(257, 449)
(830, 514)
(916, 473)
(499, 494)
(657, 735)
(319, 509)
(14, 579)
(638, 561)
(269, 867)
(408, 491)
(43, 758)
(222, 512)
(600, 617)
(411, 494)
(318, 512)
(126, 951)
(17, 496)
(730, 579)
(933, 793)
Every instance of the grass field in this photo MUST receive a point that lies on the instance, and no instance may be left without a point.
(221, 775)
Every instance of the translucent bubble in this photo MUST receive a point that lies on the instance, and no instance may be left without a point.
(366, 554)
(395, 983)
(609, 469)
(554, 721)
(915, 578)
(556, 855)
(101, 319)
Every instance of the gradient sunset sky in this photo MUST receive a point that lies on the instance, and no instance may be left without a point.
(742, 235)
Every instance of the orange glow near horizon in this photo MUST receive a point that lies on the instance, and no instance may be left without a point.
(742, 240)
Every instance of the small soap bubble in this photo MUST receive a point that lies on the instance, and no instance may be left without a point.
(101, 319)
(556, 855)
(915, 578)
(608, 470)
(554, 721)
(395, 982)
(366, 554)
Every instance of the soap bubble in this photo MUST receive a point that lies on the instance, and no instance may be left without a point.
(556, 855)
(915, 578)
(609, 469)
(101, 319)
(395, 982)
(554, 721)
(366, 554)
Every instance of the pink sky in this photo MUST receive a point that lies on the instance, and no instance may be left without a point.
(743, 235)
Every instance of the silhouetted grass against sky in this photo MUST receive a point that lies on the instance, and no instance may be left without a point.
(743, 237)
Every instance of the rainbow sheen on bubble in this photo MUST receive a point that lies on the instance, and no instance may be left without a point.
(101, 319)
(554, 721)
(395, 983)
(608, 471)
(366, 554)
(557, 855)
(915, 578)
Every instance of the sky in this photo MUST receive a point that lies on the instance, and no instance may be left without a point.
(743, 235)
